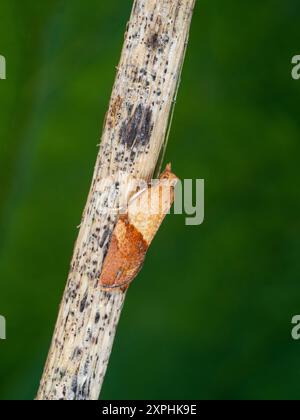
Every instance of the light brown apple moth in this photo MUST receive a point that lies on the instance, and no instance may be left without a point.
(135, 231)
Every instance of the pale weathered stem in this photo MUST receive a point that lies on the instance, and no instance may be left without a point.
(133, 136)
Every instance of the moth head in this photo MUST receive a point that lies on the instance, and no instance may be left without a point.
(169, 175)
(167, 182)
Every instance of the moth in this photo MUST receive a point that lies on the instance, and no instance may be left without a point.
(135, 230)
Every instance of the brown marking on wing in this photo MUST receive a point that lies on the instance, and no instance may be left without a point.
(125, 256)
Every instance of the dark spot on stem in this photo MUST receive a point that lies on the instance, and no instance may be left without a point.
(74, 385)
(153, 41)
(104, 237)
(137, 129)
(83, 302)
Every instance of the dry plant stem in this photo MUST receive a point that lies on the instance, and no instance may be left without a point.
(133, 136)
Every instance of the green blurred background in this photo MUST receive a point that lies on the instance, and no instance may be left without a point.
(217, 300)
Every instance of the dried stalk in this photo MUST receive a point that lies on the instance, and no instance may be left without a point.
(133, 136)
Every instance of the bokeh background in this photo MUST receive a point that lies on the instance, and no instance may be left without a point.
(210, 315)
